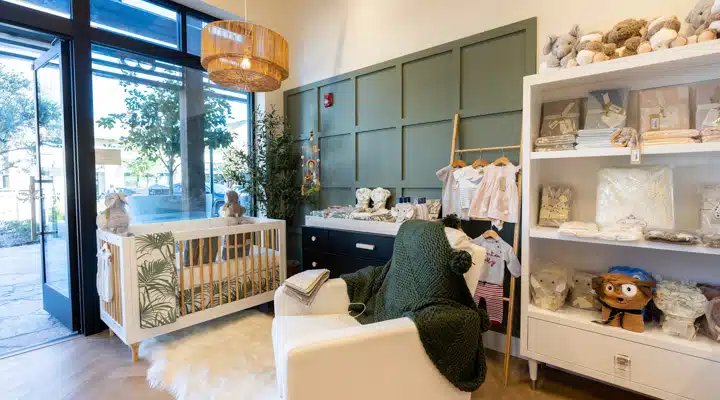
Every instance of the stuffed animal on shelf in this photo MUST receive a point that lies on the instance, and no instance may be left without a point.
(379, 197)
(623, 299)
(549, 288)
(232, 208)
(663, 32)
(592, 49)
(703, 21)
(363, 199)
(582, 295)
(115, 218)
(559, 51)
(627, 35)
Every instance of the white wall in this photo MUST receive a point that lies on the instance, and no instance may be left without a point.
(330, 37)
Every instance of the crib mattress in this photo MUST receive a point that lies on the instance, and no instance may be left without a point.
(220, 268)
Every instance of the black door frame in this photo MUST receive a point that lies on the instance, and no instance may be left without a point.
(65, 309)
(80, 37)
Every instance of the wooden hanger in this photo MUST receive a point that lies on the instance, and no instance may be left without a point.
(458, 163)
(480, 163)
(502, 161)
(491, 234)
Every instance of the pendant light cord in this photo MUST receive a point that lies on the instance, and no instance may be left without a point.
(246, 15)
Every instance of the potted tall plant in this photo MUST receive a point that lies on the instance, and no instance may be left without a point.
(268, 169)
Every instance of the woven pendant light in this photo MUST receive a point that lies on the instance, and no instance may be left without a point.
(243, 56)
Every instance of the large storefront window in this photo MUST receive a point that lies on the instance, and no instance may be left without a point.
(160, 131)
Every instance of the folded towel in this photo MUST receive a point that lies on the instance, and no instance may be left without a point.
(669, 134)
(305, 285)
(657, 142)
(552, 140)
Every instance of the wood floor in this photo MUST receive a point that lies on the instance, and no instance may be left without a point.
(99, 367)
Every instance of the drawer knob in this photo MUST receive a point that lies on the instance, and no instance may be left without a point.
(314, 264)
(313, 238)
(365, 246)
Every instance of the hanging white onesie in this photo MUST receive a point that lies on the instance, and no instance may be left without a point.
(468, 181)
(450, 199)
(104, 279)
(497, 196)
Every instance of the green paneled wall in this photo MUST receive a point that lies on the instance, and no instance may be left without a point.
(391, 123)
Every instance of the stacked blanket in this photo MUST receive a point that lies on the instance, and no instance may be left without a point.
(677, 136)
(305, 285)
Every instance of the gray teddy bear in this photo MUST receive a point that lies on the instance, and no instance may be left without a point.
(560, 51)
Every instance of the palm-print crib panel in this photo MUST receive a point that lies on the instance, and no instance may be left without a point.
(254, 257)
(224, 292)
(157, 279)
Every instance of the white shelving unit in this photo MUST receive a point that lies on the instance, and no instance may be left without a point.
(661, 366)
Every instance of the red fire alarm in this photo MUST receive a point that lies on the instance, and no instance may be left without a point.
(328, 100)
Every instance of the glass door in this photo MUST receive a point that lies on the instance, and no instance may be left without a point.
(51, 187)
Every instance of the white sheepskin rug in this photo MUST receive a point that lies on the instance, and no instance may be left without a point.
(228, 358)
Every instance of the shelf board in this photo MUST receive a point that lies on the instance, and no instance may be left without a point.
(701, 346)
(711, 147)
(552, 233)
(638, 67)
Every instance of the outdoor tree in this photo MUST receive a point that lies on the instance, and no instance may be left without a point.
(152, 121)
(140, 168)
(17, 120)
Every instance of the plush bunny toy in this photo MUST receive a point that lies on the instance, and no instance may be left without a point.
(232, 208)
(559, 51)
(704, 21)
(115, 218)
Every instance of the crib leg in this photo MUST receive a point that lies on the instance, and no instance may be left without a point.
(111, 333)
(135, 348)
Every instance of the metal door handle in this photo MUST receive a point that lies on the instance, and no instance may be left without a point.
(365, 246)
(314, 264)
(313, 238)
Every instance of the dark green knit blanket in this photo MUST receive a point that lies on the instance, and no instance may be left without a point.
(424, 281)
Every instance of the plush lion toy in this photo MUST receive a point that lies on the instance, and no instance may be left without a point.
(623, 298)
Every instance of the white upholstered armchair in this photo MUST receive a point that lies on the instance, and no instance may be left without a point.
(322, 353)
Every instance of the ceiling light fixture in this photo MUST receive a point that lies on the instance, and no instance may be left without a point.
(243, 56)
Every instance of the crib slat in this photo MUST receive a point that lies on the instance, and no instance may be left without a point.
(244, 268)
(252, 263)
(260, 261)
(191, 268)
(220, 275)
(117, 296)
(267, 257)
(201, 262)
(182, 278)
(273, 242)
(237, 271)
(227, 266)
(211, 257)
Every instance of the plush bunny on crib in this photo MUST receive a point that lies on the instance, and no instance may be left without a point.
(115, 218)
(232, 208)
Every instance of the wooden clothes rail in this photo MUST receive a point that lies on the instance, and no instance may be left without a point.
(511, 298)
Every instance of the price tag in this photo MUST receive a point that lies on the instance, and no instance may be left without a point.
(655, 122)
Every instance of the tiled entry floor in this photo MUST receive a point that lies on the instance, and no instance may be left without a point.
(23, 322)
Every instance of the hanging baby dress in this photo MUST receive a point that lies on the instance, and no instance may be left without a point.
(497, 196)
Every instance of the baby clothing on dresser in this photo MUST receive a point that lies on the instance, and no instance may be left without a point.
(499, 256)
(497, 196)
(468, 181)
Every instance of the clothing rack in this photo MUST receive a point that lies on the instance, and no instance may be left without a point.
(511, 298)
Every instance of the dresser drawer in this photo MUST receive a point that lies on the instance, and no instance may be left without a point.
(361, 244)
(313, 260)
(314, 239)
(677, 373)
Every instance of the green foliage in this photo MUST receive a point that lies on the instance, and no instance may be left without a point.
(15, 233)
(152, 120)
(268, 171)
(17, 118)
(157, 279)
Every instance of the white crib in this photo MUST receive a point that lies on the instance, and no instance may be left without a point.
(221, 269)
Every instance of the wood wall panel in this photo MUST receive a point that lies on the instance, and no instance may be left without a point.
(301, 112)
(378, 158)
(492, 74)
(337, 167)
(340, 117)
(378, 100)
(425, 150)
(429, 87)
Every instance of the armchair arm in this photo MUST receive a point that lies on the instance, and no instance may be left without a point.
(332, 298)
(385, 360)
